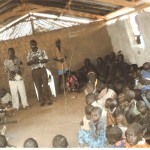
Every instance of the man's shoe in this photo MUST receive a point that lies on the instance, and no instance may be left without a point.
(27, 107)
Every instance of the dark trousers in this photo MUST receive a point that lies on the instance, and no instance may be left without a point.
(40, 78)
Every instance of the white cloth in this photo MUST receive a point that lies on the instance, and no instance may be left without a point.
(51, 84)
(15, 87)
(6, 98)
(104, 95)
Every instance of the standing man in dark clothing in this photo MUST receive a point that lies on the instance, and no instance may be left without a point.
(37, 59)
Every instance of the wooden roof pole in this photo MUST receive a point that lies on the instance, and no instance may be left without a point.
(119, 2)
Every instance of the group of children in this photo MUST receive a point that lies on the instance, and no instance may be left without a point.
(117, 113)
(117, 110)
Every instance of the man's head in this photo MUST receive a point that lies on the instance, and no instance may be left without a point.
(113, 134)
(57, 43)
(134, 133)
(33, 45)
(3, 141)
(11, 53)
(60, 141)
(30, 143)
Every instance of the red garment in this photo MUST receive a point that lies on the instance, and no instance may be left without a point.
(71, 83)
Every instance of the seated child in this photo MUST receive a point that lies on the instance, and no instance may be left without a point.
(114, 136)
(30, 143)
(144, 117)
(6, 100)
(110, 105)
(131, 110)
(121, 121)
(95, 138)
(134, 137)
(60, 141)
(85, 121)
(121, 99)
(72, 83)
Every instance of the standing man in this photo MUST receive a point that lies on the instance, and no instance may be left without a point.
(14, 69)
(60, 62)
(37, 59)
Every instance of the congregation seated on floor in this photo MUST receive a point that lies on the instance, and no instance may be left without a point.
(117, 110)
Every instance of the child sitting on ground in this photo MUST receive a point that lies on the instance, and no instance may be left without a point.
(121, 121)
(121, 92)
(134, 137)
(110, 105)
(131, 109)
(30, 143)
(72, 83)
(60, 141)
(85, 121)
(144, 117)
(95, 138)
(114, 136)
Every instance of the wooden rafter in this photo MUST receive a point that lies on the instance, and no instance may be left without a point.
(5, 3)
(137, 9)
(27, 8)
(119, 2)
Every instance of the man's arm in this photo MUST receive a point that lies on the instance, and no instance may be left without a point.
(37, 61)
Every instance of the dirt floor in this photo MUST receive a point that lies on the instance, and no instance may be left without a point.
(43, 123)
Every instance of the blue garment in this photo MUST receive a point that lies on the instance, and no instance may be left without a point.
(60, 72)
(86, 137)
(121, 144)
(145, 75)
